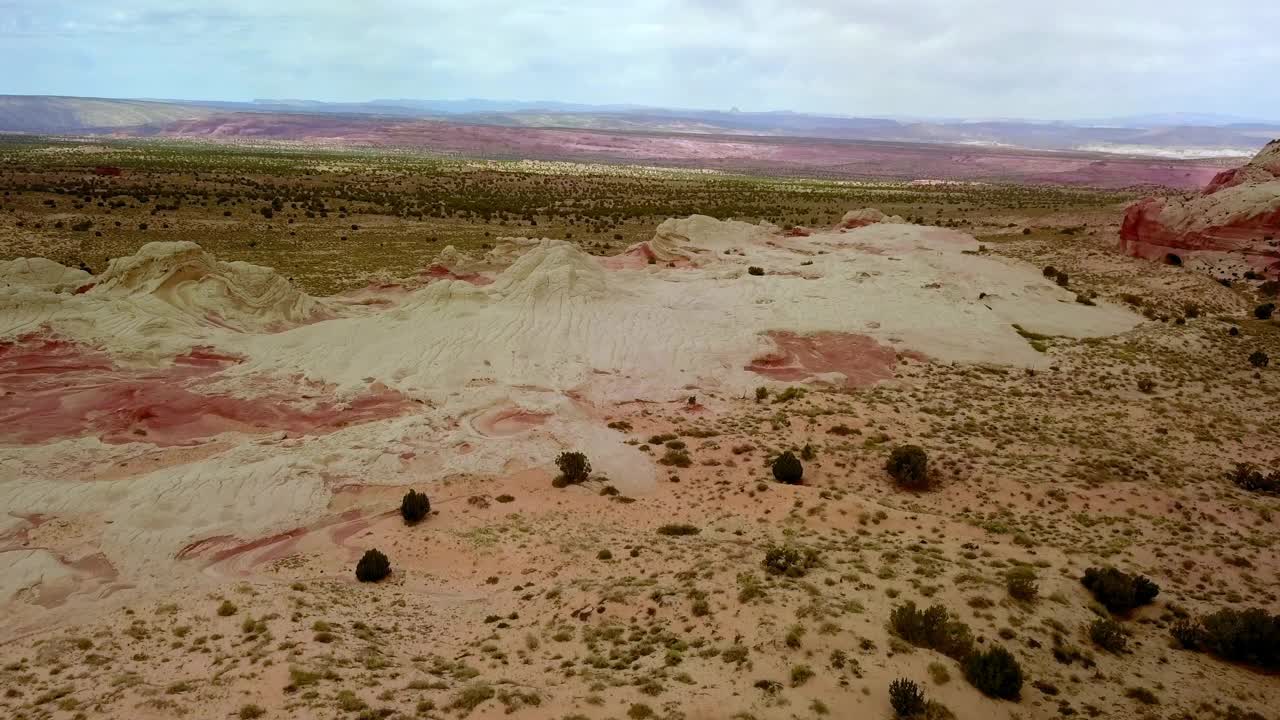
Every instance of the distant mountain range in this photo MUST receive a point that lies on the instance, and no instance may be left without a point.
(1178, 135)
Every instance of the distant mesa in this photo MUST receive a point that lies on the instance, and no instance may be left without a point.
(1229, 228)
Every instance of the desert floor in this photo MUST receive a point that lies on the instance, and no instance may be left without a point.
(515, 597)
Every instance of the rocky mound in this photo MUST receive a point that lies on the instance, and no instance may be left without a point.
(1231, 227)
(41, 274)
(191, 282)
(158, 303)
(684, 239)
(867, 216)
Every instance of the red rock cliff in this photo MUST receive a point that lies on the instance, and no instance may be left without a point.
(1231, 226)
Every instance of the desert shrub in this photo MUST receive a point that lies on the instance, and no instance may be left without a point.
(791, 393)
(1249, 478)
(676, 458)
(753, 270)
(1021, 583)
(1146, 384)
(1188, 633)
(996, 673)
(373, 566)
(788, 469)
(1142, 695)
(790, 560)
(1264, 311)
(761, 393)
(1118, 591)
(908, 465)
(933, 628)
(1108, 635)
(1050, 271)
(1249, 636)
(1191, 310)
(574, 468)
(471, 696)
(1062, 278)
(414, 507)
(906, 698)
(679, 529)
(1259, 359)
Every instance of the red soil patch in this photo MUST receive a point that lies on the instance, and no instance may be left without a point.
(636, 257)
(56, 389)
(799, 358)
(507, 421)
(440, 272)
(240, 557)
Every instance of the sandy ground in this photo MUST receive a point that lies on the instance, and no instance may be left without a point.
(206, 577)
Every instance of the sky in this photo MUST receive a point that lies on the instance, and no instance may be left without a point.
(1066, 59)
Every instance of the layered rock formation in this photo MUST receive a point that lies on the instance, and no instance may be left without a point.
(1231, 227)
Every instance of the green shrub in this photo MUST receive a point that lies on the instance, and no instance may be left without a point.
(1259, 359)
(677, 458)
(1142, 695)
(934, 628)
(788, 469)
(1251, 479)
(1021, 583)
(790, 560)
(906, 698)
(996, 673)
(908, 465)
(1188, 633)
(1118, 591)
(373, 566)
(1248, 636)
(1108, 635)
(679, 529)
(574, 468)
(414, 506)
(472, 696)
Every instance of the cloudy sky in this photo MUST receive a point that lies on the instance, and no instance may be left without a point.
(935, 58)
